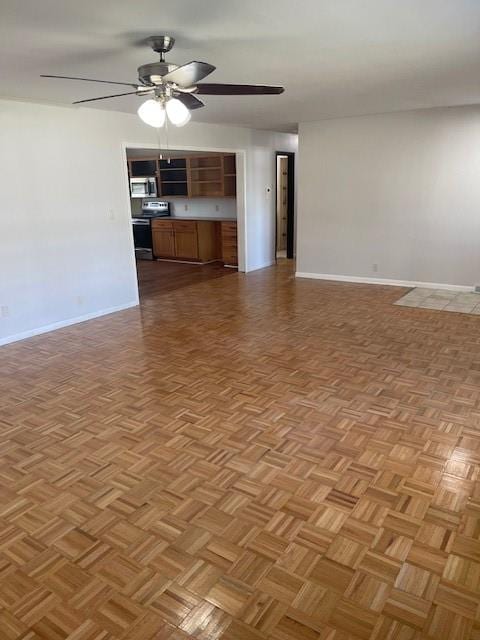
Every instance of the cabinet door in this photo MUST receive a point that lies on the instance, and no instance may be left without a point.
(186, 240)
(229, 243)
(163, 243)
(140, 168)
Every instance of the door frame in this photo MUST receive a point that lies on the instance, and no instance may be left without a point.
(290, 202)
(241, 197)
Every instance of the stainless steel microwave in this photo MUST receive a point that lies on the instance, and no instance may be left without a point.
(143, 187)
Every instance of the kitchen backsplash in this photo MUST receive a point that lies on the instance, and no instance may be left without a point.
(201, 207)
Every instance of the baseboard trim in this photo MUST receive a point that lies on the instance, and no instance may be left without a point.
(65, 323)
(383, 281)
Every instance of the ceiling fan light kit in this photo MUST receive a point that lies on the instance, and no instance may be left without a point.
(172, 89)
(177, 112)
(152, 112)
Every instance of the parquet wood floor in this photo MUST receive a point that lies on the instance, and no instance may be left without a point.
(250, 457)
(156, 278)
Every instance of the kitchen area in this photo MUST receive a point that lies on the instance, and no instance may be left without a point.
(184, 211)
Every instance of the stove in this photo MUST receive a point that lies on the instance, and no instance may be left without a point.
(155, 209)
(142, 226)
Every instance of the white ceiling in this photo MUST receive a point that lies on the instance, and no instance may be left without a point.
(334, 57)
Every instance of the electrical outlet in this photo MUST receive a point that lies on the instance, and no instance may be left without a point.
(111, 214)
(375, 267)
(4, 311)
(217, 207)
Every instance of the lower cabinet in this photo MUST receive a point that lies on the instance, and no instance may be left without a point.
(186, 240)
(193, 240)
(163, 239)
(229, 243)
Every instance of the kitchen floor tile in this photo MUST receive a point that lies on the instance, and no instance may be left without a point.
(441, 300)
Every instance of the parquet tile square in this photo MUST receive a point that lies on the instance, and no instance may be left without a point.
(407, 608)
(75, 543)
(250, 568)
(175, 603)
(346, 551)
(58, 624)
(263, 612)
(118, 614)
(353, 619)
(281, 584)
(288, 460)
(11, 627)
(368, 592)
(457, 599)
(206, 622)
(332, 575)
(230, 595)
(442, 624)
(417, 581)
(268, 544)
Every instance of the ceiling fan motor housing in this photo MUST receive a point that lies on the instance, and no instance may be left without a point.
(152, 72)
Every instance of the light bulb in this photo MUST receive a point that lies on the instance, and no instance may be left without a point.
(177, 112)
(152, 112)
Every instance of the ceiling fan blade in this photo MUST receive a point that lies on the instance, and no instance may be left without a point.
(127, 84)
(189, 73)
(190, 101)
(116, 95)
(209, 89)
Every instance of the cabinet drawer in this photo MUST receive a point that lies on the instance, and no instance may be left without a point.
(229, 228)
(229, 236)
(230, 258)
(161, 225)
(185, 226)
(229, 246)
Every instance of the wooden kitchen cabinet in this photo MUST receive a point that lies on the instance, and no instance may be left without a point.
(203, 176)
(190, 240)
(143, 167)
(163, 244)
(229, 243)
(163, 239)
(186, 240)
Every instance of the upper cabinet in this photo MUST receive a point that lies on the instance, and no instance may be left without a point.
(212, 176)
(143, 168)
(206, 176)
(173, 177)
(229, 176)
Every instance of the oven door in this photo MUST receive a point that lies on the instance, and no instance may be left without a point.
(142, 234)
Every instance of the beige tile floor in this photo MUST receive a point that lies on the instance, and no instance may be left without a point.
(442, 300)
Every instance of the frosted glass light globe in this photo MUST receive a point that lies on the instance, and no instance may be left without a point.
(177, 112)
(152, 112)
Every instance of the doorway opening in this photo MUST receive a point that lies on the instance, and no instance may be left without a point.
(184, 211)
(285, 205)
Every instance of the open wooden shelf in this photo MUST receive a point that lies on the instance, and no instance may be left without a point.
(212, 176)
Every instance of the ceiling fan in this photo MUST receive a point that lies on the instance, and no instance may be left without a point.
(171, 89)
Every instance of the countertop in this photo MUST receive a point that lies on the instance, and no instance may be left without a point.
(197, 219)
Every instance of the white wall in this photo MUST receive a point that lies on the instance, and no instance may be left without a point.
(198, 207)
(400, 190)
(66, 248)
